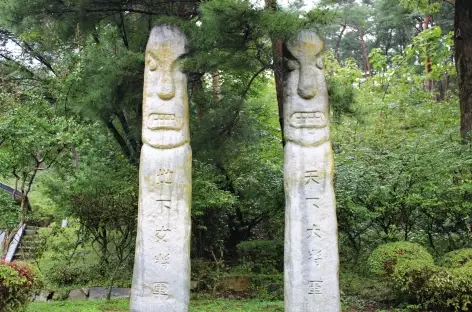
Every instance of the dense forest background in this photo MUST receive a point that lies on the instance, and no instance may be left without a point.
(71, 75)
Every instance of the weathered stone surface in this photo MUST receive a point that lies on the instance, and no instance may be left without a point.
(161, 279)
(100, 293)
(235, 283)
(43, 296)
(311, 243)
(77, 294)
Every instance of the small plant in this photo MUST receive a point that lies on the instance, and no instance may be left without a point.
(264, 256)
(18, 282)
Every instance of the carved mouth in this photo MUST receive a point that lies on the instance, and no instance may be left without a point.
(308, 120)
(158, 121)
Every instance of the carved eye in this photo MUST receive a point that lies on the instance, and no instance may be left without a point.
(151, 62)
(319, 63)
(292, 65)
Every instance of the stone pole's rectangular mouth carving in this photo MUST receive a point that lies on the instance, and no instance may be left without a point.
(163, 121)
(308, 120)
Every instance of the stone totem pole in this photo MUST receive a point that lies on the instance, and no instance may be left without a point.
(161, 278)
(311, 242)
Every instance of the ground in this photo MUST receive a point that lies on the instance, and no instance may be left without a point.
(196, 306)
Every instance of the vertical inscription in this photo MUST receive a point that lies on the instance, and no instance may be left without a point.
(160, 290)
(315, 287)
(312, 199)
(162, 260)
(315, 255)
(161, 234)
(164, 176)
(312, 176)
(315, 231)
(163, 203)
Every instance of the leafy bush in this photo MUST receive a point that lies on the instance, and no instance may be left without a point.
(18, 282)
(68, 259)
(435, 287)
(206, 273)
(414, 276)
(267, 286)
(383, 260)
(263, 256)
(457, 258)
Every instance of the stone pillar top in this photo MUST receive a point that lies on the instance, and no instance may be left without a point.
(306, 96)
(165, 92)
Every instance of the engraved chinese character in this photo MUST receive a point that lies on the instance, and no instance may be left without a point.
(164, 176)
(314, 287)
(315, 255)
(314, 231)
(161, 290)
(313, 199)
(162, 260)
(161, 233)
(163, 203)
(312, 176)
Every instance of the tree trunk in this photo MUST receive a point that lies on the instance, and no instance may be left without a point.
(364, 53)
(196, 85)
(278, 68)
(428, 83)
(216, 85)
(338, 44)
(463, 56)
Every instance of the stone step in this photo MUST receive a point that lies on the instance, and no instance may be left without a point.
(22, 256)
(25, 248)
(29, 232)
(31, 227)
(31, 244)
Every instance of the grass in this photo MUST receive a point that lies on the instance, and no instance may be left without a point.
(122, 305)
(217, 305)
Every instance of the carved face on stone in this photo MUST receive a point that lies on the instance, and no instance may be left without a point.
(306, 109)
(165, 102)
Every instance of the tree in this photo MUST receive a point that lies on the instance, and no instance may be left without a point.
(463, 57)
(34, 139)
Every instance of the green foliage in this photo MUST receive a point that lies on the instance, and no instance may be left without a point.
(387, 257)
(457, 258)
(435, 287)
(18, 282)
(267, 286)
(68, 259)
(9, 211)
(206, 274)
(262, 256)
(65, 259)
(411, 272)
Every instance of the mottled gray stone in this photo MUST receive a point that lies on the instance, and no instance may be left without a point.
(311, 243)
(43, 296)
(77, 294)
(161, 278)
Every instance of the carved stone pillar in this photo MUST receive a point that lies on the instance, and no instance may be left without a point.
(161, 278)
(311, 241)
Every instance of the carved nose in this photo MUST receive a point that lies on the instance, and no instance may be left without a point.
(166, 86)
(306, 84)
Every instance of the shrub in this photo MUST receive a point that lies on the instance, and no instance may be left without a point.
(263, 256)
(435, 287)
(18, 282)
(267, 287)
(457, 258)
(383, 260)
